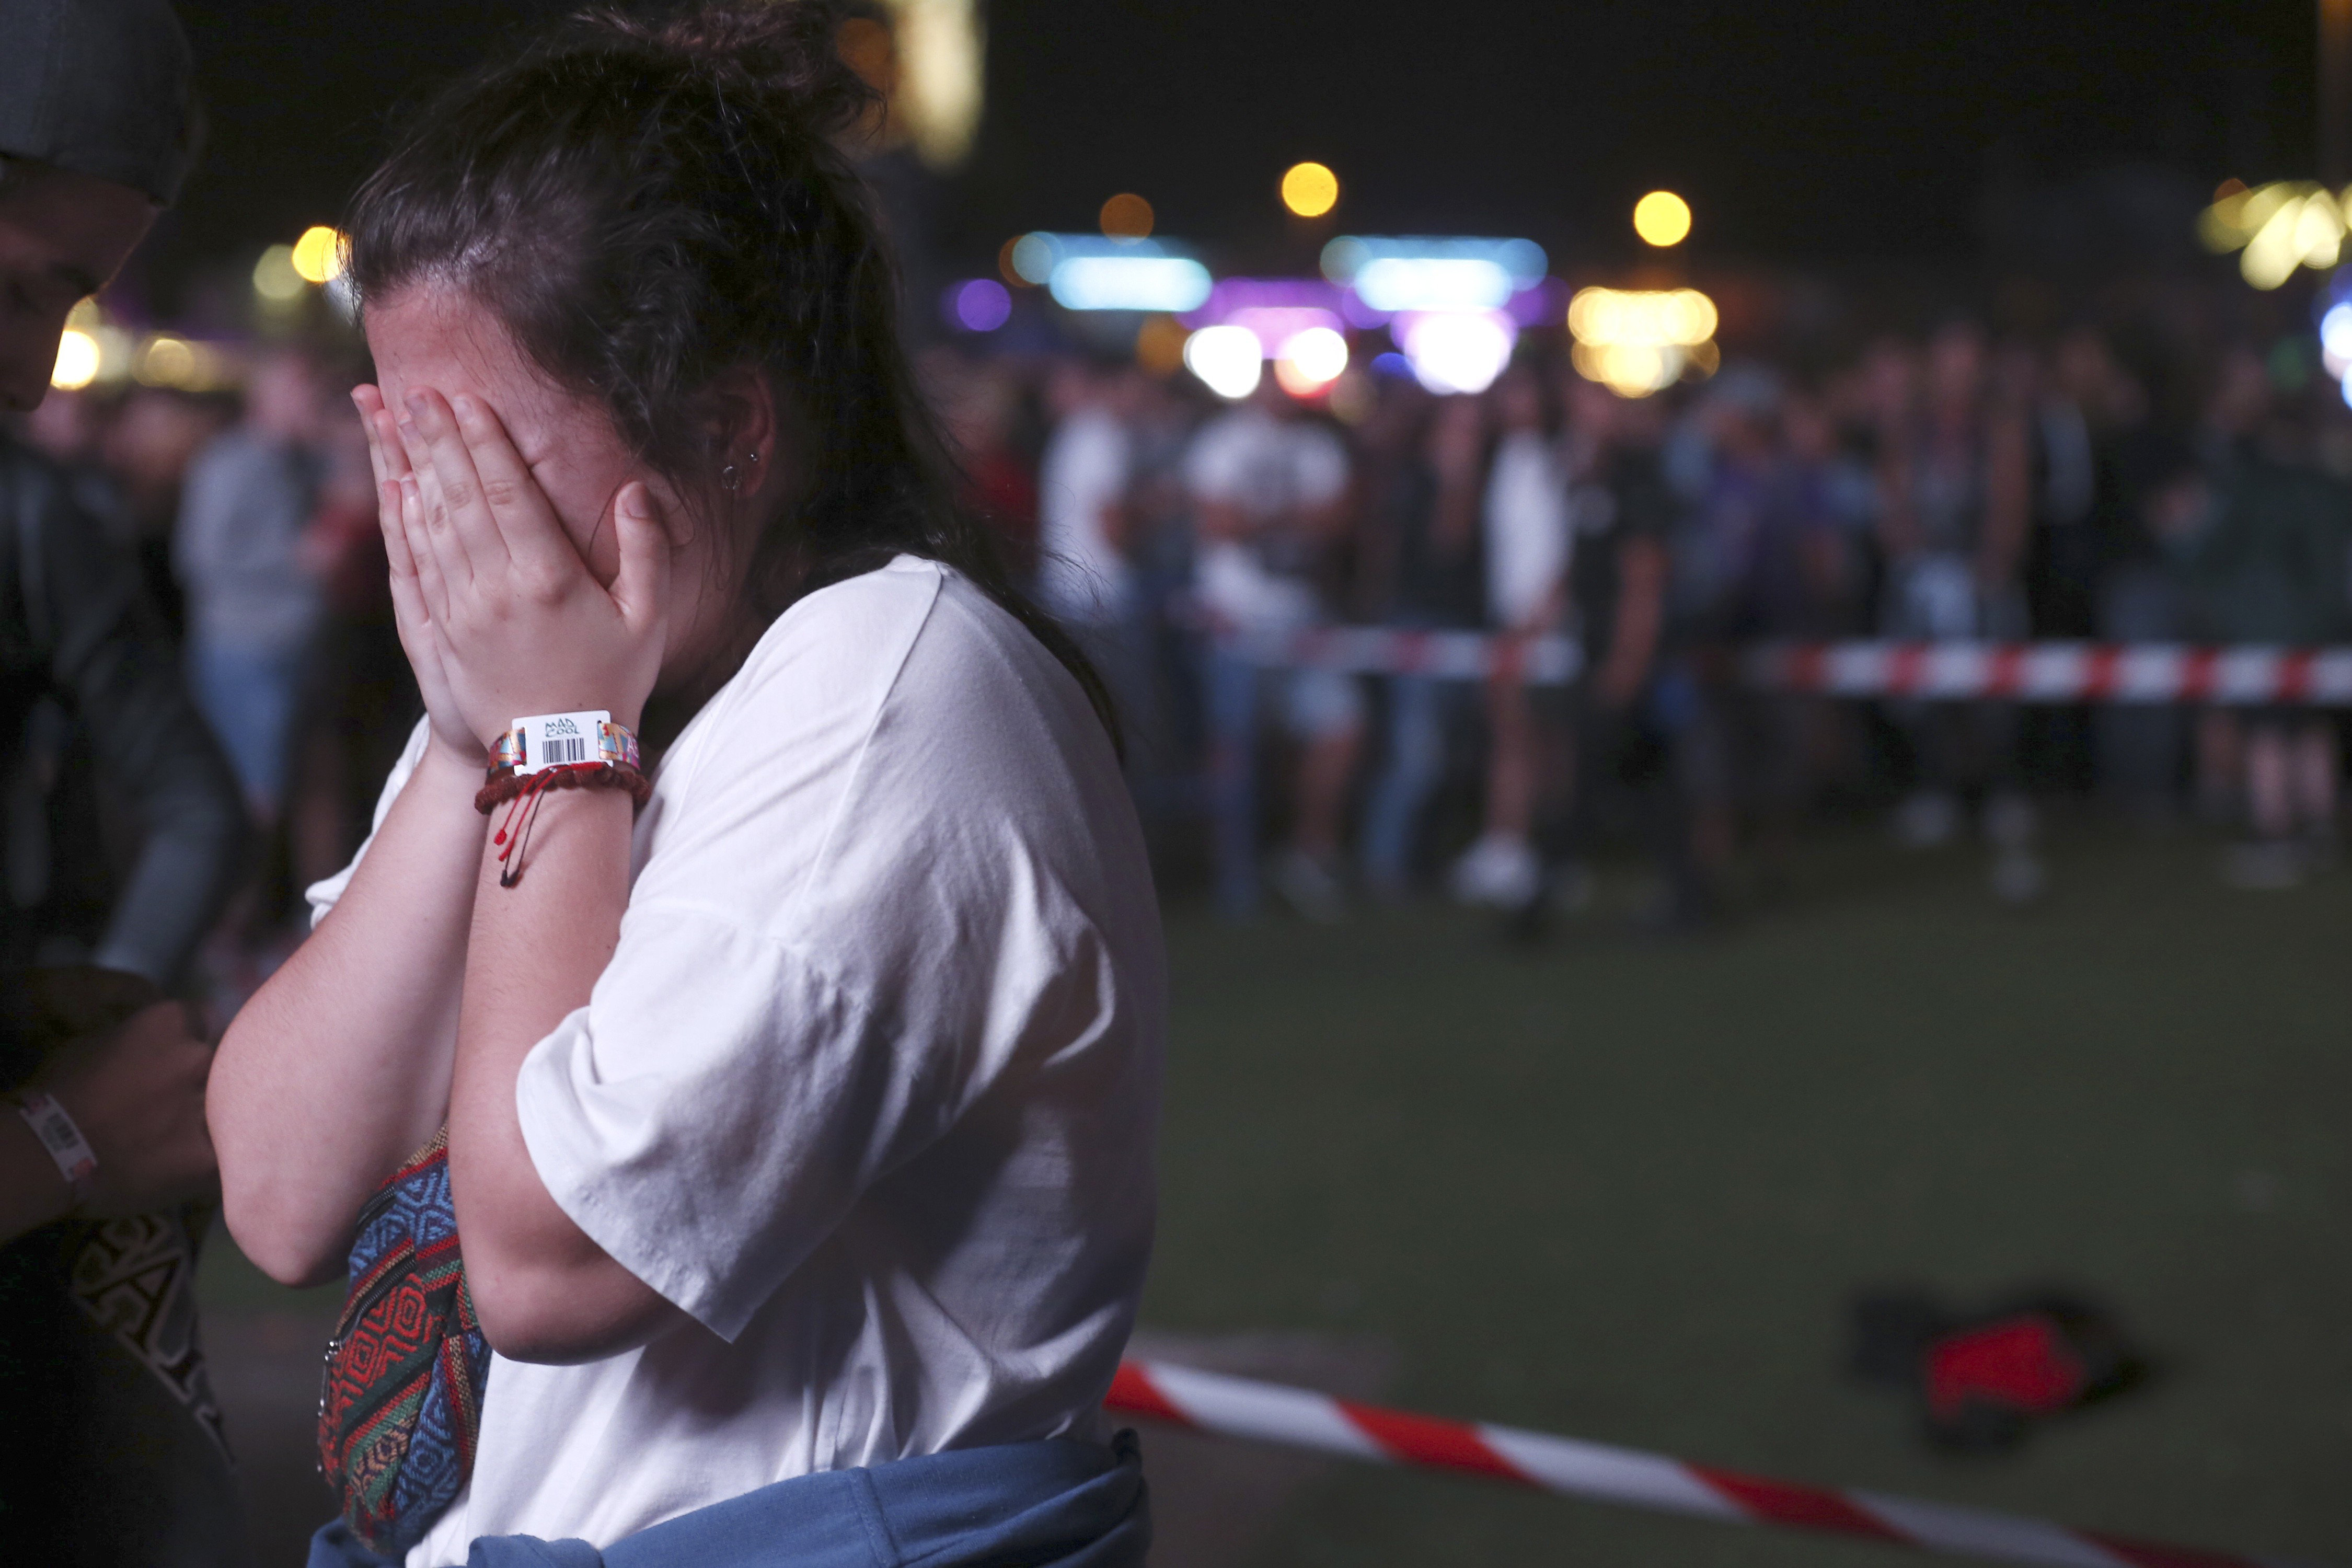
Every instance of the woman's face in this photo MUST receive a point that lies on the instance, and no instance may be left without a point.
(439, 338)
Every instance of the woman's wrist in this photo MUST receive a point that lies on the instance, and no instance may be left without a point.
(446, 771)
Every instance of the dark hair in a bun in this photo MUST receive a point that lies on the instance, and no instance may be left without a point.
(648, 202)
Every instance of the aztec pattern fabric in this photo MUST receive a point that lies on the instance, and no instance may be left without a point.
(402, 1400)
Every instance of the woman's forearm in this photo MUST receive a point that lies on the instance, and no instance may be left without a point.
(339, 1064)
(543, 1289)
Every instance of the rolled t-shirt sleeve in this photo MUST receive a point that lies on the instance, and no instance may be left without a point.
(715, 1110)
(732, 1089)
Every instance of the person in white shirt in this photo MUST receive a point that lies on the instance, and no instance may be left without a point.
(1089, 535)
(1083, 574)
(1269, 488)
(1529, 544)
(800, 1123)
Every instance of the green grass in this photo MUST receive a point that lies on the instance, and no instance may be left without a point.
(1623, 1191)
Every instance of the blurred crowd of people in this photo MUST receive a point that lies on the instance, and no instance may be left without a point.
(1943, 486)
(1948, 485)
(252, 516)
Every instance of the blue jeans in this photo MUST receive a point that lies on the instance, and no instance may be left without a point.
(1054, 1504)
(1418, 708)
(248, 695)
(1315, 705)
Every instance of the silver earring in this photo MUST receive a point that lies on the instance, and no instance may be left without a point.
(729, 478)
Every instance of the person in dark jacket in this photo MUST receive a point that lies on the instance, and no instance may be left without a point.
(106, 1169)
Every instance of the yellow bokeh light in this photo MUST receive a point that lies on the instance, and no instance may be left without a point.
(318, 256)
(1629, 369)
(1127, 216)
(1662, 218)
(1636, 341)
(1310, 190)
(2277, 229)
(275, 277)
(1160, 345)
(1674, 317)
(77, 361)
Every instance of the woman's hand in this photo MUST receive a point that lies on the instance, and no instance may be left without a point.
(419, 638)
(519, 625)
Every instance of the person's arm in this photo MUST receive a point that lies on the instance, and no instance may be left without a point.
(137, 1095)
(525, 628)
(339, 1064)
(116, 668)
(32, 1191)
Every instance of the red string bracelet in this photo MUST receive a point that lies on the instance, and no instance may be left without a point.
(523, 792)
(572, 751)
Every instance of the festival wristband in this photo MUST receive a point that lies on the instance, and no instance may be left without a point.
(76, 1160)
(563, 741)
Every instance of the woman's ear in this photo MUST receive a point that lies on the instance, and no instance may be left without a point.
(743, 425)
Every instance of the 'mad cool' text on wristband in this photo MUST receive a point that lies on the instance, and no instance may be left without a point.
(565, 750)
(564, 740)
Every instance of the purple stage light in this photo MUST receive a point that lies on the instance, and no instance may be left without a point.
(981, 305)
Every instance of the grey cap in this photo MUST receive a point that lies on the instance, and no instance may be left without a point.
(100, 86)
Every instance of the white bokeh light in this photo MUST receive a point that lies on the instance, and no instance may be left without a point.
(1227, 359)
(1458, 351)
(1318, 354)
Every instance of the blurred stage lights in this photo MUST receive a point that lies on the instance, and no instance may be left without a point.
(1456, 352)
(1678, 316)
(1662, 218)
(1423, 273)
(1170, 284)
(90, 350)
(181, 364)
(285, 273)
(1089, 272)
(1310, 361)
(979, 305)
(319, 255)
(1125, 216)
(275, 277)
(1227, 359)
(2336, 345)
(2277, 229)
(1309, 189)
(78, 357)
(1637, 341)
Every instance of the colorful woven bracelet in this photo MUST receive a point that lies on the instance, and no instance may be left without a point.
(563, 739)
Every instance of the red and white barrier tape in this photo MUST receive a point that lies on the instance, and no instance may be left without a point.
(1297, 1418)
(2240, 676)
(2058, 671)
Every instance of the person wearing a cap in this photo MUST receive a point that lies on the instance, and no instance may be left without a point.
(106, 1169)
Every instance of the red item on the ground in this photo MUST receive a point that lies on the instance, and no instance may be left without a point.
(1984, 1379)
(2022, 1363)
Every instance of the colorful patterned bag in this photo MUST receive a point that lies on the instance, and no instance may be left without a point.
(401, 1397)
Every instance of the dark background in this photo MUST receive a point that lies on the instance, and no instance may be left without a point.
(1823, 131)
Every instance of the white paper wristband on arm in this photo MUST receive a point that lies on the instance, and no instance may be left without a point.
(77, 1163)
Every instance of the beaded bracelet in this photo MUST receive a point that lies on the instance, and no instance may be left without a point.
(503, 786)
(553, 750)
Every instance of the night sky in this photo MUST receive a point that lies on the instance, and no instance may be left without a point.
(1814, 131)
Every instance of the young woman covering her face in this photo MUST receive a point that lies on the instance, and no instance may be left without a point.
(800, 1120)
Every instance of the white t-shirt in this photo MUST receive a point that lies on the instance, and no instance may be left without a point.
(1080, 575)
(1269, 468)
(1528, 538)
(868, 1088)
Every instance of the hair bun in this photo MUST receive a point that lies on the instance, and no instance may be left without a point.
(788, 50)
